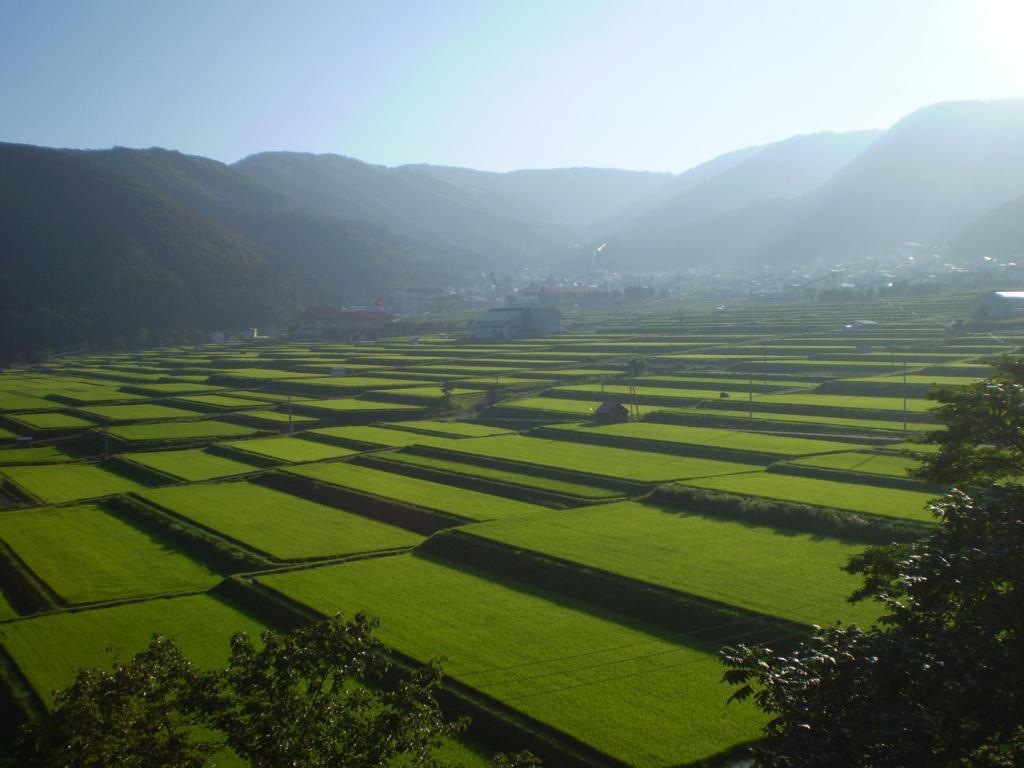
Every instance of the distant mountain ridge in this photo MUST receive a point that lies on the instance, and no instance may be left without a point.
(783, 170)
(575, 198)
(924, 180)
(125, 244)
(89, 255)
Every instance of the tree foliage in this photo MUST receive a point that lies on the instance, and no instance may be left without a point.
(143, 713)
(323, 695)
(447, 391)
(939, 681)
(315, 698)
(983, 440)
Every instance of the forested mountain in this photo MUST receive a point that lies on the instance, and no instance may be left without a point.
(88, 255)
(128, 244)
(924, 180)
(677, 185)
(575, 198)
(683, 227)
(323, 259)
(933, 175)
(999, 232)
(410, 203)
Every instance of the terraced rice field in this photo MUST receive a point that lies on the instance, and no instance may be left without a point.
(6, 610)
(227, 402)
(667, 395)
(502, 476)
(835, 421)
(381, 437)
(827, 403)
(777, 572)
(293, 449)
(44, 455)
(855, 402)
(618, 463)
(177, 387)
(284, 526)
(137, 412)
(349, 404)
(632, 693)
(449, 428)
(717, 438)
(52, 421)
(60, 483)
(179, 430)
(562, 406)
(86, 555)
(50, 649)
(887, 502)
(471, 505)
(15, 402)
(278, 419)
(870, 463)
(191, 464)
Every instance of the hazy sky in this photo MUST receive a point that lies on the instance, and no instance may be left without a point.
(492, 85)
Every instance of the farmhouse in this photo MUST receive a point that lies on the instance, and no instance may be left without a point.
(351, 323)
(999, 305)
(611, 412)
(516, 323)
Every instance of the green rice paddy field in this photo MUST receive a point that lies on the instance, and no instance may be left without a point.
(86, 555)
(6, 609)
(471, 505)
(629, 691)
(60, 483)
(643, 695)
(293, 449)
(838, 421)
(192, 464)
(717, 438)
(50, 649)
(179, 430)
(449, 428)
(227, 402)
(285, 527)
(52, 421)
(381, 436)
(782, 573)
(888, 502)
(44, 455)
(141, 412)
(871, 463)
(619, 463)
(503, 476)
(563, 406)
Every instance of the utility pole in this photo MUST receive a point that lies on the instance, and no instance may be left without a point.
(750, 398)
(764, 363)
(904, 393)
(290, 415)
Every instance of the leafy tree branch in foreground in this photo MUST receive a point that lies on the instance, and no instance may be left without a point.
(323, 695)
(939, 681)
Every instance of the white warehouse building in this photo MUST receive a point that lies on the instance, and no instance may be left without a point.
(516, 323)
(999, 305)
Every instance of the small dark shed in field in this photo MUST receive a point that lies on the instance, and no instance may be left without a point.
(610, 412)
